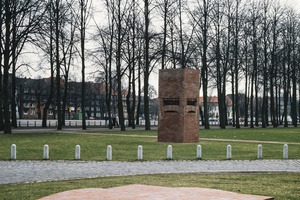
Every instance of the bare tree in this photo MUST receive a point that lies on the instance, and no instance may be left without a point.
(133, 22)
(45, 43)
(166, 9)
(57, 25)
(20, 20)
(266, 33)
(1, 57)
(105, 38)
(219, 51)
(201, 16)
(85, 6)
(6, 66)
(147, 65)
(275, 31)
(68, 50)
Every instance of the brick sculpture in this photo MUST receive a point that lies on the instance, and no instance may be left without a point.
(178, 119)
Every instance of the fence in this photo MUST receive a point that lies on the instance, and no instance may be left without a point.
(73, 123)
(109, 154)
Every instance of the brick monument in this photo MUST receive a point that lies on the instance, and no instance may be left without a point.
(178, 112)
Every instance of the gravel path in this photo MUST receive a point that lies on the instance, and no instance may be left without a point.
(41, 171)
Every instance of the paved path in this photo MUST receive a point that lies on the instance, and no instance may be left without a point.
(41, 171)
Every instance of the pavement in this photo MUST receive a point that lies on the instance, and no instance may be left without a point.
(41, 171)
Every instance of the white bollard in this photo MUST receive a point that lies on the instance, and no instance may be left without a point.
(229, 152)
(109, 153)
(285, 151)
(77, 152)
(259, 151)
(13, 150)
(140, 152)
(169, 152)
(199, 152)
(46, 152)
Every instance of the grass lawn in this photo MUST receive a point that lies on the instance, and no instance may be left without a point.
(281, 186)
(125, 144)
(262, 134)
(93, 147)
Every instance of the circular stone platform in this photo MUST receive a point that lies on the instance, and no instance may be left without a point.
(145, 192)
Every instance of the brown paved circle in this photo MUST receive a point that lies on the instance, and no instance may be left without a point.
(144, 192)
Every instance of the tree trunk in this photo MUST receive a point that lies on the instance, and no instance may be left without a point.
(82, 45)
(52, 84)
(64, 107)
(128, 102)
(286, 87)
(57, 57)
(6, 67)
(1, 75)
(147, 67)
(204, 70)
(164, 47)
(138, 108)
(246, 86)
(119, 73)
(132, 114)
(233, 95)
(264, 108)
(13, 74)
(236, 66)
(294, 83)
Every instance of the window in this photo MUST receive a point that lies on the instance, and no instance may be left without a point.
(191, 102)
(173, 101)
(171, 105)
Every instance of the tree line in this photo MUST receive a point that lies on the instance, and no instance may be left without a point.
(250, 47)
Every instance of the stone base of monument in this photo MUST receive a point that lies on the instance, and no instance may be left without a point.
(146, 192)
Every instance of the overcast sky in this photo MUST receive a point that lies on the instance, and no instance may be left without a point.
(293, 3)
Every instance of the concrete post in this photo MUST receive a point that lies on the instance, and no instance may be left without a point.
(259, 151)
(77, 152)
(109, 153)
(13, 150)
(169, 152)
(229, 152)
(285, 151)
(46, 152)
(140, 152)
(199, 152)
